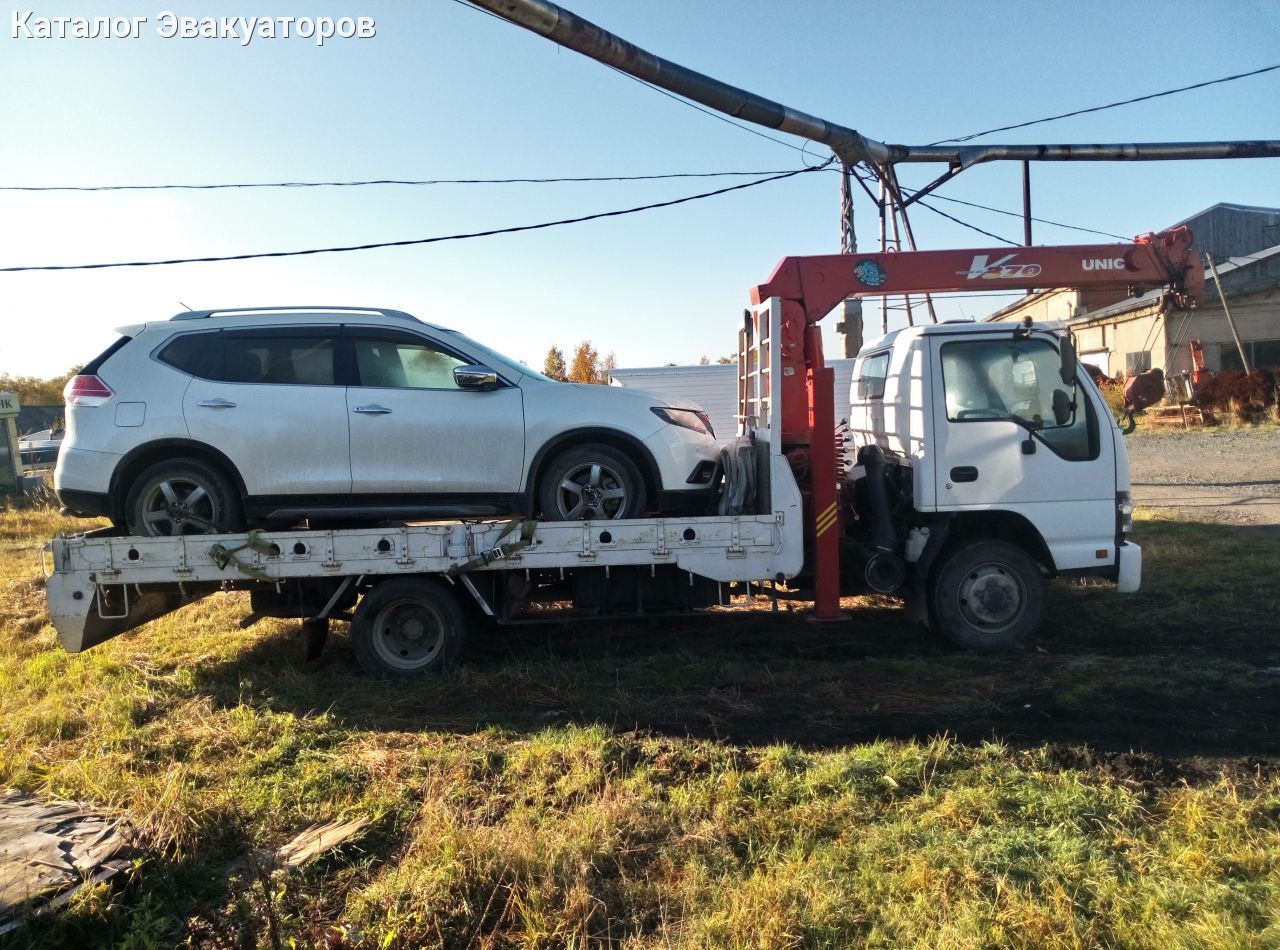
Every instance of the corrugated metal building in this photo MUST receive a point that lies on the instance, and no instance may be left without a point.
(1120, 334)
(715, 389)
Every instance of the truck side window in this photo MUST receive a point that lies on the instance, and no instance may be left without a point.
(871, 376)
(1015, 380)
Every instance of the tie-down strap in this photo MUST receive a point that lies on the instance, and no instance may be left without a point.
(223, 555)
(500, 550)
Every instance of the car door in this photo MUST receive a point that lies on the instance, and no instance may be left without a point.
(414, 430)
(269, 400)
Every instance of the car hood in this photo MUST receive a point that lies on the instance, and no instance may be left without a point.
(636, 396)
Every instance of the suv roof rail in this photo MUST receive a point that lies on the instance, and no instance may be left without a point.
(206, 314)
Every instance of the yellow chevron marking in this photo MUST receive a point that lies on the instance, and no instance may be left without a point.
(825, 520)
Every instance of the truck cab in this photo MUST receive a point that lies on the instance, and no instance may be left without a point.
(985, 438)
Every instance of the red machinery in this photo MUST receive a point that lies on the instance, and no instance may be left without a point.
(810, 287)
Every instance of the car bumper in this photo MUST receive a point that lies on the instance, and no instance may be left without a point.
(85, 503)
(678, 453)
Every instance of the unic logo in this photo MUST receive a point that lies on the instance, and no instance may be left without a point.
(1003, 269)
(1103, 263)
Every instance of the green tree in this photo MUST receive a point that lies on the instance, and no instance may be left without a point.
(553, 365)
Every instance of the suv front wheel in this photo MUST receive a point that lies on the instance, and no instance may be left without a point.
(182, 496)
(591, 482)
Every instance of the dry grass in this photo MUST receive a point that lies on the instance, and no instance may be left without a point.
(515, 803)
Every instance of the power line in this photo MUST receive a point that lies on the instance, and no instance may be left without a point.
(1112, 105)
(430, 240)
(1015, 214)
(388, 181)
(710, 112)
(1011, 214)
(966, 224)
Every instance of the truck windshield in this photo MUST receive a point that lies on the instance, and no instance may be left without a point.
(1017, 379)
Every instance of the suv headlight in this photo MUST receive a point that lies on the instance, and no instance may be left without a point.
(694, 419)
(1124, 514)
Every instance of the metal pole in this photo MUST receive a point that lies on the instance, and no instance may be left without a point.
(1213, 269)
(1026, 208)
(567, 29)
(884, 246)
(1026, 202)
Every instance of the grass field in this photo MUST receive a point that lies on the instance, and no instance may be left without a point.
(733, 782)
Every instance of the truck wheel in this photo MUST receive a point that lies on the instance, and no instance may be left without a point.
(408, 627)
(987, 595)
(182, 496)
(591, 481)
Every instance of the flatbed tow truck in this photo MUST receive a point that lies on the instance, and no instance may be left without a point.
(984, 463)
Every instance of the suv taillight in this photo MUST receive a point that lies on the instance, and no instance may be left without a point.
(86, 391)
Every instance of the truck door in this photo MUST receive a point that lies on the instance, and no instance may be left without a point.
(998, 401)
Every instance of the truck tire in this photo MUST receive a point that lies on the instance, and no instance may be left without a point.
(408, 627)
(986, 595)
(591, 481)
(182, 496)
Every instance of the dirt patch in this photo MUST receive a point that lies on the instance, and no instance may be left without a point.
(1225, 475)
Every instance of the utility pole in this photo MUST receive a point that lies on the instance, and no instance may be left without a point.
(850, 325)
(1213, 269)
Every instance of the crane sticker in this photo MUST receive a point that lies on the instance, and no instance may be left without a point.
(869, 274)
(983, 268)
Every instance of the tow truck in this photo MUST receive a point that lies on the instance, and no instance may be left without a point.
(983, 462)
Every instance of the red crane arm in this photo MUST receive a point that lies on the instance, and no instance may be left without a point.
(820, 282)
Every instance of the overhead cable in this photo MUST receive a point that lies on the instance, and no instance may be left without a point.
(388, 181)
(416, 241)
(1111, 105)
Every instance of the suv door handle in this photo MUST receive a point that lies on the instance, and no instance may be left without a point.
(373, 409)
(216, 403)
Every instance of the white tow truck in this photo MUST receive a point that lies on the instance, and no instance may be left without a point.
(983, 464)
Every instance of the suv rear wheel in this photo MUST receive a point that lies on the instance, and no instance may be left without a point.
(182, 496)
(591, 482)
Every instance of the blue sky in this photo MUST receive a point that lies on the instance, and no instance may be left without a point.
(444, 91)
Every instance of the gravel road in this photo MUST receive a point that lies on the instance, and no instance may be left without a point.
(1230, 474)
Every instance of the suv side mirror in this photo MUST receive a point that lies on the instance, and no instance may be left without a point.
(479, 377)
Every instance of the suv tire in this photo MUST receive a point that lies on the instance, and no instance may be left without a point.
(591, 482)
(182, 496)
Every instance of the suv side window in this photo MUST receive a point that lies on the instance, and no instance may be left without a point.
(403, 364)
(297, 359)
(289, 357)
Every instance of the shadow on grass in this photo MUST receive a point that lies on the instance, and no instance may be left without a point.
(1184, 668)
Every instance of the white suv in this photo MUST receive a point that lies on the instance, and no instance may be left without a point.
(218, 418)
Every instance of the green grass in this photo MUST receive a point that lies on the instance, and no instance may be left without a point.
(745, 782)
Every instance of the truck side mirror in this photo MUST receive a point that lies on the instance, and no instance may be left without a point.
(1063, 407)
(1067, 351)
